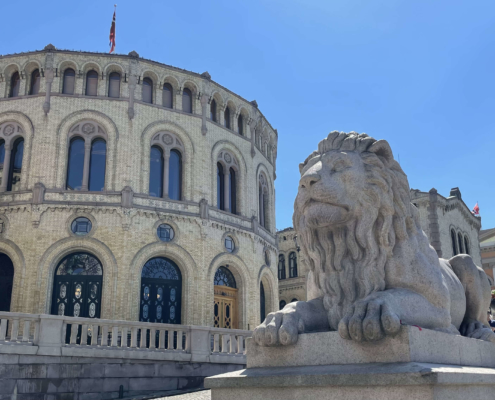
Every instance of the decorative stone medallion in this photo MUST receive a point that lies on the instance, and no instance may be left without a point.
(167, 139)
(8, 130)
(227, 157)
(88, 129)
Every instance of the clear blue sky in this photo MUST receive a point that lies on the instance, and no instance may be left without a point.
(417, 73)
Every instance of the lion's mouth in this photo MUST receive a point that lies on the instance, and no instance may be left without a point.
(312, 202)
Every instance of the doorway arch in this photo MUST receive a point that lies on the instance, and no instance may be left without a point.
(226, 301)
(6, 281)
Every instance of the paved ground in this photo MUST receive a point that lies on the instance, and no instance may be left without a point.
(202, 395)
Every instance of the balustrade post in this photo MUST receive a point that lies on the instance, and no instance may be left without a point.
(51, 335)
(115, 336)
(179, 340)
(94, 335)
(216, 341)
(152, 339)
(233, 344)
(170, 345)
(25, 331)
(200, 345)
(3, 328)
(84, 335)
(123, 338)
(225, 342)
(240, 344)
(161, 341)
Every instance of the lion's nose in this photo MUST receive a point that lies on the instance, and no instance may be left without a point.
(309, 180)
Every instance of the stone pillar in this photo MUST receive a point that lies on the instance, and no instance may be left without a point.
(38, 193)
(204, 103)
(127, 196)
(6, 167)
(200, 344)
(433, 226)
(221, 114)
(87, 154)
(166, 172)
(233, 125)
(132, 88)
(50, 335)
(203, 209)
(48, 82)
(226, 189)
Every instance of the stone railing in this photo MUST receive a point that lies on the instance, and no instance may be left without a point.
(54, 335)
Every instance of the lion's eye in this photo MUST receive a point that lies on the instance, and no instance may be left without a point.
(339, 166)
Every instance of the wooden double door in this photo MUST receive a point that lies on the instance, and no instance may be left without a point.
(225, 307)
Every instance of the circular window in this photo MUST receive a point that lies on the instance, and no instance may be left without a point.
(267, 258)
(165, 233)
(81, 226)
(229, 244)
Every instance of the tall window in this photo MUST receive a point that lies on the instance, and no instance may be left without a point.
(168, 95)
(69, 80)
(15, 83)
(147, 90)
(466, 245)
(15, 170)
(220, 187)
(263, 201)
(35, 82)
(262, 303)
(175, 175)
(459, 239)
(281, 266)
(240, 125)
(97, 165)
(213, 110)
(91, 83)
(2, 158)
(114, 85)
(6, 281)
(282, 304)
(293, 265)
(224, 277)
(76, 164)
(232, 192)
(156, 172)
(454, 246)
(226, 115)
(187, 101)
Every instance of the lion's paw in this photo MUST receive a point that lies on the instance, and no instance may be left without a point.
(369, 320)
(279, 328)
(476, 330)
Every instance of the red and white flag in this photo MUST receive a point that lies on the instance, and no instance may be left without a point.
(476, 209)
(112, 33)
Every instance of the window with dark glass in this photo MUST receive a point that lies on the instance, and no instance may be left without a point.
(15, 83)
(220, 187)
(76, 164)
(6, 282)
(97, 165)
(459, 238)
(240, 125)
(165, 233)
(92, 83)
(81, 226)
(293, 265)
(168, 95)
(114, 85)
(282, 304)
(229, 244)
(293, 300)
(69, 81)
(2, 158)
(187, 100)
(213, 110)
(35, 82)
(14, 182)
(262, 303)
(175, 175)
(281, 266)
(454, 246)
(224, 277)
(156, 172)
(147, 90)
(466, 245)
(232, 192)
(226, 116)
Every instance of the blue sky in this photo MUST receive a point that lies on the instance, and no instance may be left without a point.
(419, 74)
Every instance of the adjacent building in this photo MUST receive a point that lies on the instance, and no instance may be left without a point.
(487, 244)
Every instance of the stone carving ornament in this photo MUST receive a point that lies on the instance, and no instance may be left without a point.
(9, 128)
(371, 266)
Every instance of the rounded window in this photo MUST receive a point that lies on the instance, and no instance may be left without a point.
(229, 244)
(165, 233)
(81, 226)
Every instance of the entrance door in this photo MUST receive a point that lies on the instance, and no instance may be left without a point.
(225, 301)
(6, 281)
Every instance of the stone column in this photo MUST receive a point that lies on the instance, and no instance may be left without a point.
(204, 103)
(166, 171)
(87, 154)
(6, 167)
(221, 115)
(233, 125)
(226, 189)
(48, 82)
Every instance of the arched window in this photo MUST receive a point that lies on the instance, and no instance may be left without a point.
(156, 172)
(114, 85)
(213, 110)
(220, 187)
(6, 281)
(262, 303)
(168, 95)
(175, 175)
(35, 82)
(97, 165)
(454, 246)
(187, 101)
(225, 299)
(240, 125)
(14, 182)
(223, 277)
(282, 304)
(161, 292)
(263, 201)
(466, 245)
(293, 300)
(75, 165)
(293, 265)
(147, 90)
(226, 115)
(92, 83)
(69, 81)
(459, 239)
(232, 192)
(281, 266)
(15, 83)
(77, 286)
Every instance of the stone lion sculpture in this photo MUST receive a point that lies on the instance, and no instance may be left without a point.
(371, 266)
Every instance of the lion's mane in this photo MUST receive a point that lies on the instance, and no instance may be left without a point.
(349, 262)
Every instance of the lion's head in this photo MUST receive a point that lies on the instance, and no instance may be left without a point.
(351, 210)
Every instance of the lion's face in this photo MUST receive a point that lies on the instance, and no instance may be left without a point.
(329, 188)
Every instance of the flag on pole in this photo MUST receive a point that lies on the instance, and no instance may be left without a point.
(112, 32)
(476, 209)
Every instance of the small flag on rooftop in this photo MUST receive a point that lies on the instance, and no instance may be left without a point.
(112, 31)
(476, 209)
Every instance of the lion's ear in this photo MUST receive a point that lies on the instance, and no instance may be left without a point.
(382, 149)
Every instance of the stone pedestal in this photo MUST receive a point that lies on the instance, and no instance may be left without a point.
(415, 364)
